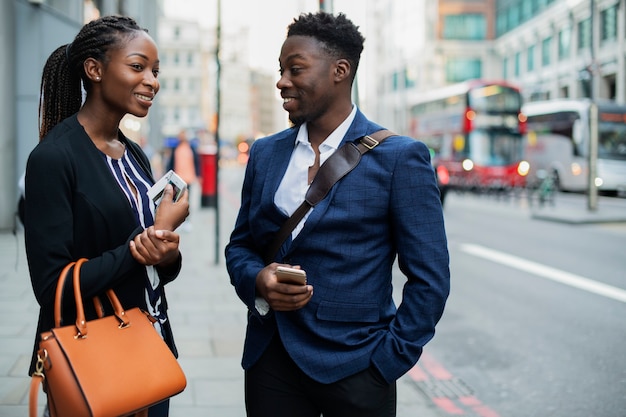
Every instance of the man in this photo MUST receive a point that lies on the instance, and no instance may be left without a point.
(337, 345)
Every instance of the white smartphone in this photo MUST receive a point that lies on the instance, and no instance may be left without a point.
(156, 191)
(291, 275)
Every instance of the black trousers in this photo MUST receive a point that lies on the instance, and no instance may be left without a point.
(276, 387)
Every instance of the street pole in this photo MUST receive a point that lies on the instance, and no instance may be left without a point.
(218, 103)
(592, 189)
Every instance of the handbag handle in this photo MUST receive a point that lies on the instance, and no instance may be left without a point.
(81, 323)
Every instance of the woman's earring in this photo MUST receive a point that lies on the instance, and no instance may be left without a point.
(97, 78)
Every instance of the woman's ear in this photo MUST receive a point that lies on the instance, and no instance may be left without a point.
(93, 69)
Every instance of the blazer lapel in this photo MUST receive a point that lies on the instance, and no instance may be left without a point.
(278, 161)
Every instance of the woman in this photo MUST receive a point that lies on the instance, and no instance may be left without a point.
(86, 183)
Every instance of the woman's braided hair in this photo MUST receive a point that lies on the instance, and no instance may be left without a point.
(60, 94)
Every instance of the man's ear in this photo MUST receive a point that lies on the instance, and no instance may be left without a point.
(343, 69)
(93, 69)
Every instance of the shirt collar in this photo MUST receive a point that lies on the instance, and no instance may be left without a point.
(334, 139)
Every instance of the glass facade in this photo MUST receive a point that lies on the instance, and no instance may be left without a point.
(512, 13)
(465, 27)
(461, 69)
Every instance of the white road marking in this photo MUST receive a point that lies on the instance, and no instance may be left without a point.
(553, 274)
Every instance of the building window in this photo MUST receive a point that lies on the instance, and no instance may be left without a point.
(500, 24)
(517, 63)
(410, 78)
(176, 32)
(190, 58)
(505, 68)
(465, 27)
(564, 43)
(608, 20)
(461, 69)
(527, 12)
(193, 84)
(395, 82)
(545, 51)
(514, 16)
(584, 34)
(530, 58)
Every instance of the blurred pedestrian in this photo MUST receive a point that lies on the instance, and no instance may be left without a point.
(86, 183)
(337, 345)
(185, 161)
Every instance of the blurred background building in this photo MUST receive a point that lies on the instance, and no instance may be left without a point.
(549, 48)
(29, 31)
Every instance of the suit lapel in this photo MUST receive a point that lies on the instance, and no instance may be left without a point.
(278, 161)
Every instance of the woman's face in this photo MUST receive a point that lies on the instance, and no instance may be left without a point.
(129, 78)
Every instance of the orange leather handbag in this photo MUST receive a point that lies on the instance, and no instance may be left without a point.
(108, 367)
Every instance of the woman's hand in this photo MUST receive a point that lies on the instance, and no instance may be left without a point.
(169, 215)
(155, 247)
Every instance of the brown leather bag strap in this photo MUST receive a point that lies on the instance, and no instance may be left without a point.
(35, 382)
(338, 165)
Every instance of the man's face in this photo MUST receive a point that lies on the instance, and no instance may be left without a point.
(307, 79)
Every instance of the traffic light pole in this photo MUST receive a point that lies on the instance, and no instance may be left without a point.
(592, 188)
(218, 103)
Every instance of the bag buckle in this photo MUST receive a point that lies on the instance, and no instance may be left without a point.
(39, 366)
(371, 143)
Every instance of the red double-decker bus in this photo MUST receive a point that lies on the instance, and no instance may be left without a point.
(475, 131)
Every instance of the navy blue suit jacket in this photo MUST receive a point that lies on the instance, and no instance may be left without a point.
(387, 206)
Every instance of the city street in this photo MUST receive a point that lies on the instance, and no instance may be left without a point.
(533, 327)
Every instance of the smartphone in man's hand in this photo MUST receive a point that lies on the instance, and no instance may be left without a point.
(290, 275)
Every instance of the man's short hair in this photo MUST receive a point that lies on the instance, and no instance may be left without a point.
(341, 38)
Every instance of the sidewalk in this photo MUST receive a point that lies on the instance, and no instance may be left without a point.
(207, 317)
(573, 209)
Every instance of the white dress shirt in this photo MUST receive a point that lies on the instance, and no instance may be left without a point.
(295, 183)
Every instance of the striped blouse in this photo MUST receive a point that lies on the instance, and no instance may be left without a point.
(128, 174)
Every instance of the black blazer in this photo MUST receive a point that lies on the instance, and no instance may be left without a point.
(75, 208)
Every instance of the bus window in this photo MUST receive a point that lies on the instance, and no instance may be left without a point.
(612, 141)
(495, 149)
(495, 98)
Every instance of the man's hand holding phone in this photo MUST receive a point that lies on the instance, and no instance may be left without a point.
(283, 287)
(290, 275)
